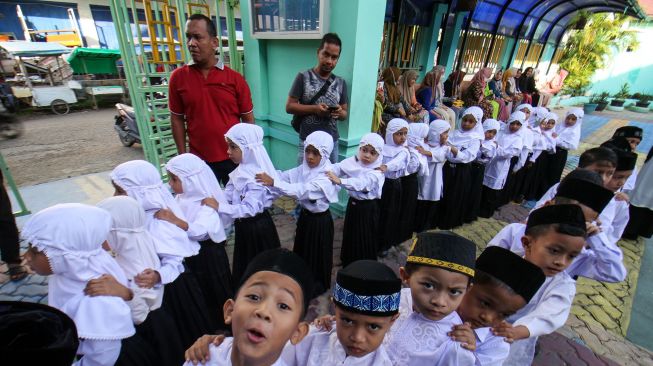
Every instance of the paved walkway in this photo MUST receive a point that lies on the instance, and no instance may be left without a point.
(593, 335)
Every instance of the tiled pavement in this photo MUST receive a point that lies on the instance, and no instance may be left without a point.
(594, 331)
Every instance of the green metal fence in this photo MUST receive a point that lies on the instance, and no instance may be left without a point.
(158, 43)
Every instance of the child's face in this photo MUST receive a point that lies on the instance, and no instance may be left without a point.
(604, 169)
(265, 315)
(553, 252)
(38, 261)
(485, 305)
(550, 124)
(570, 120)
(117, 191)
(514, 127)
(400, 136)
(633, 141)
(527, 112)
(618, 180)
(367, 154)
(312, 156)
(489, 134)
(361, 334)
(436, 292)
(234, 152)
(468, 123)
(444, 136)
(175, 183)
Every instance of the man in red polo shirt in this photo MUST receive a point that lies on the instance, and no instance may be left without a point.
(206, 98)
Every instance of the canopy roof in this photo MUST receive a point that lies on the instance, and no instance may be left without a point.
(542, 20)
(34, 49)
(94, 60)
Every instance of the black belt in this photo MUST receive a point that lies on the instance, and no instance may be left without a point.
(310, 213)
(256, 217)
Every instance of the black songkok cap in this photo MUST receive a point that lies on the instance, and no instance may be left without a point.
(522, 276)
(617, 144)
(626, 161)
(567, 214)
(444, 249)
(589, 194)
(36, 334)
(629, 131)
(286, 263)
(368, 287)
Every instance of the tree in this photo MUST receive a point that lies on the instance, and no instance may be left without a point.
(589, 48)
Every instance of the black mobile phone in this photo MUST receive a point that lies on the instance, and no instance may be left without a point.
(333, 108)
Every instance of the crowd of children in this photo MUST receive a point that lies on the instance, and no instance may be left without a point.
(145, 275)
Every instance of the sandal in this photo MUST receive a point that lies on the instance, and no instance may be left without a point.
(17, 272)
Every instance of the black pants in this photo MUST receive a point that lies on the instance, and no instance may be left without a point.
(8, 230)
(221, 169)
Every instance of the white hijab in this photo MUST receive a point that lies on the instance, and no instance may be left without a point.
(460, 138)
(571, 133)
(142, 182)
(71, 236)
(525, 106)
(491, 124)
(322, 142)
(390, 150)
(436, 128)
(417, 132)
(133, 244)
(352, 166)
(198, 183)
(538, 114)
(507, 138)
(249, 138)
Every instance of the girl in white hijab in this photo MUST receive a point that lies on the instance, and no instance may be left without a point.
(418, 165)
(395, 162)
(567, 136)
(135, 252)
(485, 154)
(465, 142)
(359, 175)
(66, 243)
(246, 199)
(514, 184)
(310, 186)
(430, 185)
(509, 146)
(199, 195)
(166, 222)
(542, 161)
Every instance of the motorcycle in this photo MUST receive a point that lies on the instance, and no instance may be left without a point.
(10, 126)
(125, 125)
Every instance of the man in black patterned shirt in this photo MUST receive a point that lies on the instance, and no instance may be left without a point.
(324, 113)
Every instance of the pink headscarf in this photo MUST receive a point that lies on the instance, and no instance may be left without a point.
(481, 76)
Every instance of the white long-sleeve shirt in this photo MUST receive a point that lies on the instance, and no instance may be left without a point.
(490, 349)
(248, 202)
(221, 355)
(415, 340)
(614, 219)
(430, 187)
(487, 151)
(498, 168)
(324, 349)
(599, 261)
(171, 267)
(311, 195)
(466, 153)
(367, 186)
(397, 164)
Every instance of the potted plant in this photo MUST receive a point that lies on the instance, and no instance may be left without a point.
(590, 106)
(644, 100)
(620, 96)
(601, 100)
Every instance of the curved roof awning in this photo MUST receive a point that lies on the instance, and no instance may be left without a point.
(543, 20)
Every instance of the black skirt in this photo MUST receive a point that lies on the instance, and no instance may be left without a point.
(456, 178)
(135, 351)
(509, 188)
(161, 333)
(489, 202)
(211, 268)
(253, 236)
(409, 191)
(639, 224)
(184, 301)
(476, 174)
(390, 215)
(360, 235)
(517, 194)
(426, 215)
(558, 162)
(314, 243)
(537, 179)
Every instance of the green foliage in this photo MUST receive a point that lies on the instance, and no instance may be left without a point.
(645, 98)
(600, 98)
(588, 49)
(623, 93)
